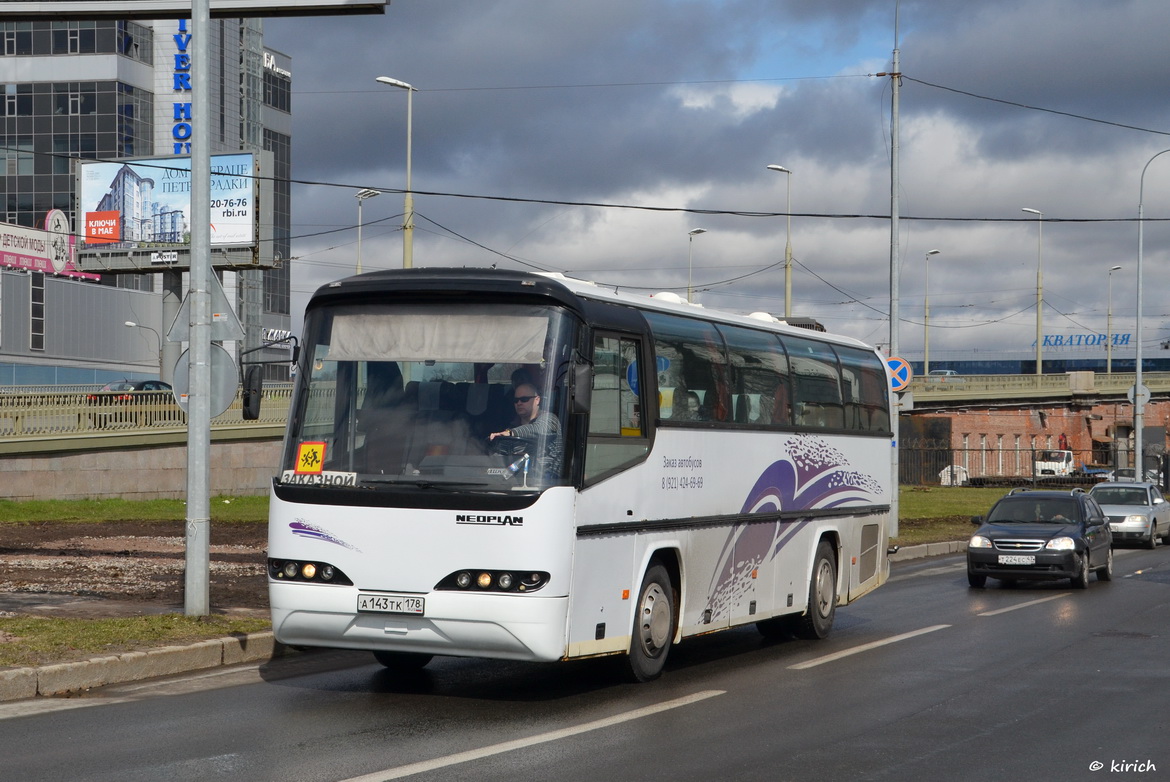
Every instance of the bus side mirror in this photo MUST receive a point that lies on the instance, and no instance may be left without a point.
(253, 388)
(580, 387)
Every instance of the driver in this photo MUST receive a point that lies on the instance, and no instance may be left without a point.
(540, 427)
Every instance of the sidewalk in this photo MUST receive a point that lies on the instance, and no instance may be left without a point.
(81, 675)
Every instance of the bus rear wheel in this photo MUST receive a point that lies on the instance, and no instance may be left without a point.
(654, 625)
(822, 596)
(403, 661)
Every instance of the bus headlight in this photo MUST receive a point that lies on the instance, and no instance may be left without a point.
(306, 572)
(510, 581)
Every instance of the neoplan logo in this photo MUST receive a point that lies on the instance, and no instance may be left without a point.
(472, 518)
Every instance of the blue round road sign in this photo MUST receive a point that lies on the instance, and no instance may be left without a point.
(900, 373)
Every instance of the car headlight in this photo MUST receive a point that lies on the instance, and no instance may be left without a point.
(979, 541)
(1137, 520)
(1061, 544)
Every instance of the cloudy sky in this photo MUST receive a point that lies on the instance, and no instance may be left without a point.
(590, 138)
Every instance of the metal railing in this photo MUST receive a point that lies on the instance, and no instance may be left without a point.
(1023, 386)
(53, 419)
(934, 463)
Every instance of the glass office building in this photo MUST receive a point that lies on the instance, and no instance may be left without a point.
(105, 90)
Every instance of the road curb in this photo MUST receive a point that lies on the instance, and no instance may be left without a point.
(80, 675)
(929, 550)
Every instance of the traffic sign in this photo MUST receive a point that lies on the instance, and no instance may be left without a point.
(900, 373)
(1133, 394)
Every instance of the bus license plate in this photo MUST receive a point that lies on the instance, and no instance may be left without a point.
(1016, 559)
(391, 604)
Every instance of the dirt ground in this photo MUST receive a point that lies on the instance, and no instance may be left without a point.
(115, 568)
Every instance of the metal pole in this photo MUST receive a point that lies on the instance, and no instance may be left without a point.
(895, 261)
(408, 217)
(1139, 403)
(1039, 292)
(197, 600)
(358, 269)
(408, 205)
(787, 240)
(1109, 326)
(926, 317)
(361, 196)
(690, 248)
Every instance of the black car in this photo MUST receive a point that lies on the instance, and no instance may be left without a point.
(130, 403)
(127, 391)
(1037, 535)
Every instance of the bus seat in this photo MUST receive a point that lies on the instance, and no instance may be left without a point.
(478, 396)
(742, 408)
(428, 395)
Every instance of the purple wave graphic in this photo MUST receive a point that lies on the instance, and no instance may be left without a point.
(304, 529)
(813, 474)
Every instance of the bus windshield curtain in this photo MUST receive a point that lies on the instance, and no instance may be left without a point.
(432, 337)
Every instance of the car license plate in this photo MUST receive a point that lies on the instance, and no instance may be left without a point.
(391, 604)
(1017, 559)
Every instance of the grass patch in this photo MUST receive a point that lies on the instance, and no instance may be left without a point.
(223, 509)
(26, 641)
(936, 514)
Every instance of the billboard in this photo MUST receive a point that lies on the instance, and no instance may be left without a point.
(51, 251)
(57, 10)
(146, 203)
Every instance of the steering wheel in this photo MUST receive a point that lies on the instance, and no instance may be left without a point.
(509, 447)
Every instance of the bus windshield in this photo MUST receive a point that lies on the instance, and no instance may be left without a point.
(432, 396)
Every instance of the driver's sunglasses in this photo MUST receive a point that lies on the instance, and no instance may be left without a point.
(519, 399)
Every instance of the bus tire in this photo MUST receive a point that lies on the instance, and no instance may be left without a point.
(822, 596)
(654, 625)
(403, 661)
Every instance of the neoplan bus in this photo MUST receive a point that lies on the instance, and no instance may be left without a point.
(694, 471)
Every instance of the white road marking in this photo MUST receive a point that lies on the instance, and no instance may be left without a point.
(542, 738)
(1024, 605)
(828, 658)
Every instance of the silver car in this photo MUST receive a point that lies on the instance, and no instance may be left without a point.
(1137, 511)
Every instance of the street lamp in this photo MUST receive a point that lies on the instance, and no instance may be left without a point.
(787, 240)
(1039, 291)
(1109, 326)
(926, 317)
(361, 196)
(408, 208)
(1139, 401)
(132, 325)
(690, 248)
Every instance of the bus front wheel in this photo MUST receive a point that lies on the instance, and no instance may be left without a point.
(654, 626)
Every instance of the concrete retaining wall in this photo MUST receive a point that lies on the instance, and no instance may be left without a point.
(237, 468)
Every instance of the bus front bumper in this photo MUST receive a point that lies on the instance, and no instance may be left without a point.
(509, 627)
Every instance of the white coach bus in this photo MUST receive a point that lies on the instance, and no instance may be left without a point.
(509, 465)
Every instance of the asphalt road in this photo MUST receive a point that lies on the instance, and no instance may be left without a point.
(925, 679)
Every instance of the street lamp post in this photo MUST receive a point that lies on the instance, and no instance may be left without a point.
(787, 240)
(1109, 326)
(408, 206)
(926, 317)
(132, 325)
(690, 248)
(1039, 291)
(361, 196)
(1139, 402)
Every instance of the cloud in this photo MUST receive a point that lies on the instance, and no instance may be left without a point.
(681, 105)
